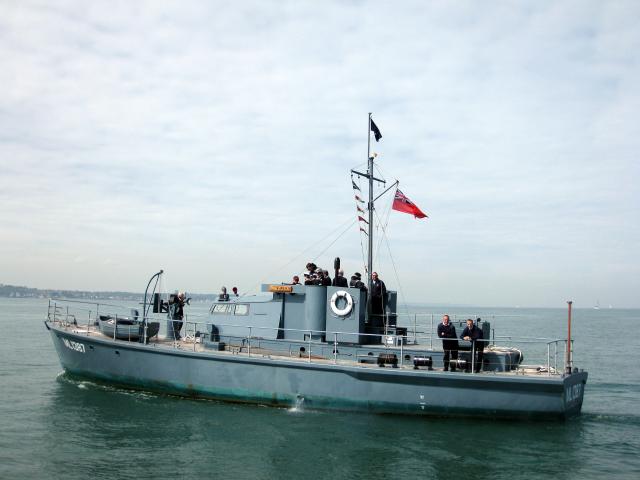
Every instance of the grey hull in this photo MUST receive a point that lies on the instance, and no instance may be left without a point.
(322, 386)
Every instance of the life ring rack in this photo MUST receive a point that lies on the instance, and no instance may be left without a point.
(346, 310)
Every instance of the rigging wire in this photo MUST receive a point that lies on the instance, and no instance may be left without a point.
(382, 225)
(360, 233)
(350, 221)
(337, 238)
(395, 272)
(375, 226)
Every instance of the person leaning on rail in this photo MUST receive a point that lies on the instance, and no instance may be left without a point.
(473, 334)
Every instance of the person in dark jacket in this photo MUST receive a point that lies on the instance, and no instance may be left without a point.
(224, 296)
(447, 332)
(473, 334)
(378, 295)
(176, 311)
(339, 280)
(356, 282)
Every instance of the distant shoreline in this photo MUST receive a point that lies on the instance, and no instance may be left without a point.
(15, 291)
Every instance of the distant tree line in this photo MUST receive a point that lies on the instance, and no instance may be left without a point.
(14, 291)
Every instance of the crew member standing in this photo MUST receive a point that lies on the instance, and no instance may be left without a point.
(339, 280)
(378, 295)
(176, 310)
(473, 334)
(447, 332)
(224, 296)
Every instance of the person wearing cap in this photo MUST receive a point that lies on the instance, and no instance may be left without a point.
(339, 280)
(357, 283)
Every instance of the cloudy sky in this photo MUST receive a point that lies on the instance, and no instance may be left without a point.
(215, 139)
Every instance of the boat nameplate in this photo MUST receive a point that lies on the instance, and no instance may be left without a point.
(280, 288)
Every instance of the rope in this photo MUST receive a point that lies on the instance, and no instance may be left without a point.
(360, 233)
(337, 238)
(350, 222)
(382, 226)
(385, 212)
(395, 271)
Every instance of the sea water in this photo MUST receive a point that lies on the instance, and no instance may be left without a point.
(55, 426)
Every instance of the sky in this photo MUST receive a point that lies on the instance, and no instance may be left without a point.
(215, 140)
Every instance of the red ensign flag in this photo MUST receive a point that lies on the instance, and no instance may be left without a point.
(402, 204)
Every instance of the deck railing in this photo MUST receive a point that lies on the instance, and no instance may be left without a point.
(422, 335)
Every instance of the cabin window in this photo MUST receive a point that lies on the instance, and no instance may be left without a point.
(221, 308)
(242, 309)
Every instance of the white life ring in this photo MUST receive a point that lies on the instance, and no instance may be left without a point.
(342, 312)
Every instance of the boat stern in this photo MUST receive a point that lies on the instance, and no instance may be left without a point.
(573, 394)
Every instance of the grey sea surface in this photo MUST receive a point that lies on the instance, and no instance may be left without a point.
(55, 426)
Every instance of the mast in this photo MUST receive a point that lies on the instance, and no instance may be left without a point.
(370, 175)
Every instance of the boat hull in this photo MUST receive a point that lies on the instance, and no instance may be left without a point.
(241, 378)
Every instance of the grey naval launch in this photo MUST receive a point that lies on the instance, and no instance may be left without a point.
(322, 344)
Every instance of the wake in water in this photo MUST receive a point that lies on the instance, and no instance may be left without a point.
(298, 406)
(84, 384)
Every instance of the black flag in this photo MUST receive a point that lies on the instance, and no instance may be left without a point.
(355, 187)
(375, 130)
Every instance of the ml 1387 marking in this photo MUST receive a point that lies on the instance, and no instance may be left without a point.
(71, 345)
(573, 392)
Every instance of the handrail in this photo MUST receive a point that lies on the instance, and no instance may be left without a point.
(58, 314)
(316, 332)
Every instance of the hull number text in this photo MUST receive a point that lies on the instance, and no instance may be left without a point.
(573, 393)
(71, 345)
